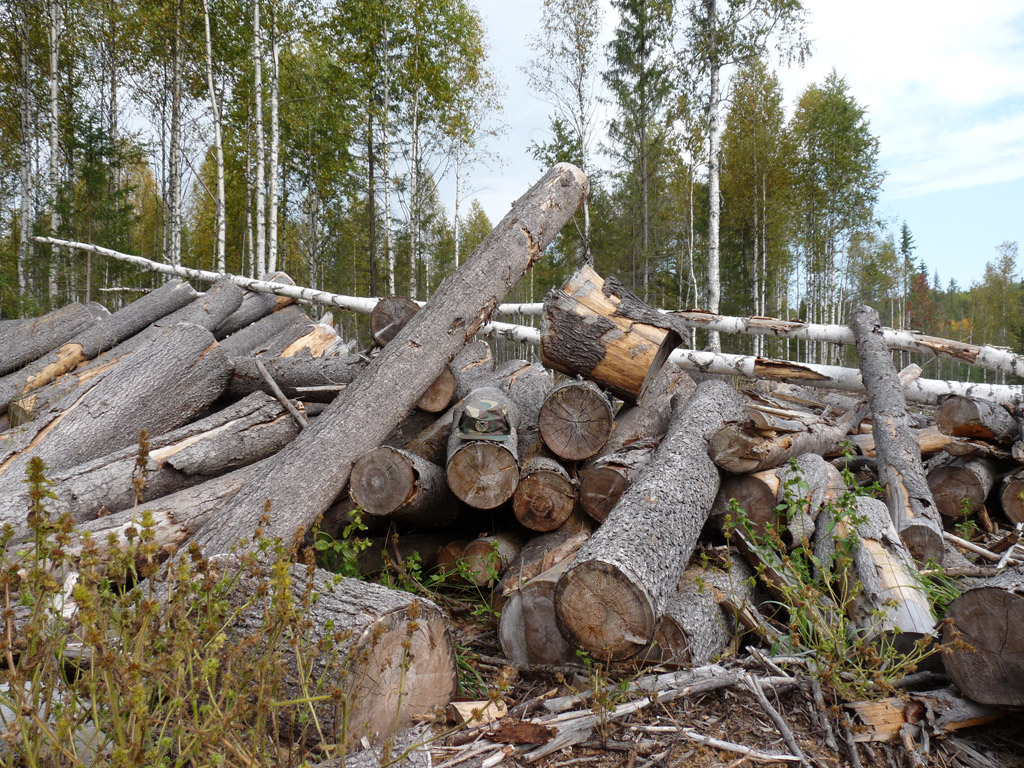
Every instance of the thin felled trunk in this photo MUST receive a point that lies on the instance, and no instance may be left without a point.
(25, 113)
(174, 187)
(714, 201)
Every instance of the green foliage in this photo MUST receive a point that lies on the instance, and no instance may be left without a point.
(341, 556)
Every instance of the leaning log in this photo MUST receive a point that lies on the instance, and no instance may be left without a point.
(484, 473)
(121, 325)
(29, 340)
(312, 470)
(968, 417)
(596, 328)
(611, 598)
(983, 640)
(900, 471)
(960, 485)
(290, 319)
(576, 420)
(158, 388)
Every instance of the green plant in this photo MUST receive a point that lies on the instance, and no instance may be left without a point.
(966, 527)
(856, 662)
(342, 555)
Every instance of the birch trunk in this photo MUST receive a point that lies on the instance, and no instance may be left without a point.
(275, 142)
(261, 213)
(174, 191)
(385, 123)
(714, 203)
(220, 224)
(54, 36)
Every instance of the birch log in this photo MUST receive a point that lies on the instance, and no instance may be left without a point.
(313, 469)
(611, 598)
(900, 471)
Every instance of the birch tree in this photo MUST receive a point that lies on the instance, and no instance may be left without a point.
(218, 144)
(260, 188)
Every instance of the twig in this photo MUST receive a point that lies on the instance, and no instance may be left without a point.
(780, 723)
(496, 758)
(970, 547)
(907, 738)
(728, 746)
(821, 711)
(299, 418)
(851, 745)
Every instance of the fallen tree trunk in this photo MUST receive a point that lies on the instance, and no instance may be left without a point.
(121, 325)
(929, 441)
(597, 329)
(294, 373)
(255, 307)
(745, 447)
(240, 434)
(611, 598)
(900, 471)
(29, 340)
(291, 319)
(967, 417)
(576, 420)
(486, 558)
(314, 468)
(472, 367)
(983, 640)
(961, 485)
(158, 388)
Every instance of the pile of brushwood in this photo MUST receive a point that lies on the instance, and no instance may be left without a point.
(230, 539)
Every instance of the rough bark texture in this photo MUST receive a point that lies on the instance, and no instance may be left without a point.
(745, 447)
(960, 485)
(598, 329)
(119, 326)
(696, 627)
(255, 306)
(312, 470)
(29, 340)
(610, 600)
(900, 471)
(401, 486)
(240, 434)
(291, 320)
(291, 373)
(484, 473)
(576, 420)
(967, 417)
(988, 665)
(472, 367)
(390, 316)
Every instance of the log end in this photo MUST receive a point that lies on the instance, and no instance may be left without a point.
(544, 500)
(1013, 499)
(439, 394)
(575, 421)
(382, 481)
(924, 542)
(389, 316)
(956, 490)
(602, 611)
(483, 474)
(600, 490)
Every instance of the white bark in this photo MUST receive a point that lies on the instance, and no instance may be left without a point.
(714, 210)
(54, 38)
(220, 225)
(261, 213)
(385, 124)
(275, 142)
(174, 189)
(458, 197)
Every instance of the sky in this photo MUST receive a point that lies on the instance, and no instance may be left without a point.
(942, 86)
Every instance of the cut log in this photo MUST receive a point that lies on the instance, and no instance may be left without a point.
(1012, 496)
(539, 554)
(291, 320)
(159, 387)
(313, 469)
(527, 629)
(431, 443)
(960, 486)
(29, 340)
(636, 432)
(240, 434)
(929, 440)
(119, 326)
(401, 486)
(291, 373)
(255, 307)
(317, 343)
(745, 447)
(696, 627)
(486, 558)
(484, 473)
(439, 394)
(389, 316)
(900, 471)
(546, 495)
(611, 598)
(888, 601)
(968, 417)
(576, 420)
(590, 329)
(983, 640)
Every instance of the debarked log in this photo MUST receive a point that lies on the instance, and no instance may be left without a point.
(610, 600)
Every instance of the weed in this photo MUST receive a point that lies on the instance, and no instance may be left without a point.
(966, 527)
(342, 555)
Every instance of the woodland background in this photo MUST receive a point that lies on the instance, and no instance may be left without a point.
(319, 138)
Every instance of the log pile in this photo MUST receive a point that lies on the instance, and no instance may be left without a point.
(585, 492)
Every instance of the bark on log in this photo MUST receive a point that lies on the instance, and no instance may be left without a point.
(1012, 496)
(486, 558)
(312, 470)
(528, 629)
(929, 440)
(576, 420)
(907, 494)
(255, 307)
(961, 485)
(546, 495)
(291, 373)
(484, 473)
(240, 434)
(696, 627)
(121, 325)
(389, 317)
(611, 598)
(439, 394)
(291, 319)
(539, 554)
(744, 447)
(401, 486)
(595, 328)
(472, 367)
(944, 710)
(983, 641)
(607, 478)
(29, 340)
(968, 417)
(889, 601)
